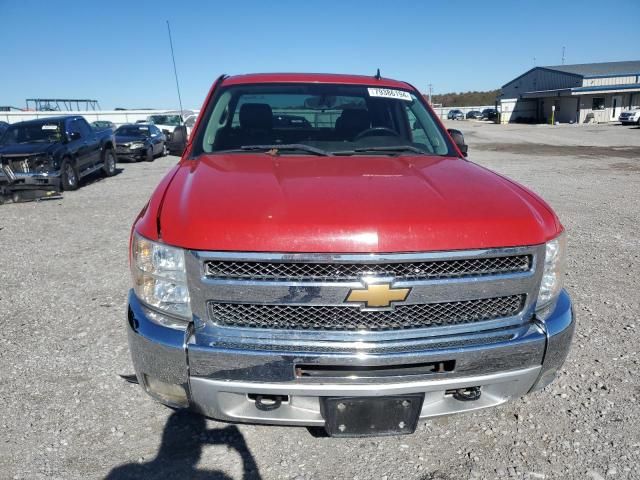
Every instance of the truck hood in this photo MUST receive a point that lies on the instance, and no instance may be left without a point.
(28, 148)
(256, 202)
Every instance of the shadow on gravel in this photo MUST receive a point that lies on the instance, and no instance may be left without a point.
(183, 437)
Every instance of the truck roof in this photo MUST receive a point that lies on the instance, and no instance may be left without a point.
(332, 78)
(57, 118)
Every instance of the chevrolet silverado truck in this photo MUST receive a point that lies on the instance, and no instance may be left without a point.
(353, 271)
(43, 156)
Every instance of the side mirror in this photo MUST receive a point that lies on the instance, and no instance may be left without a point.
(458, 139)
(74, 136)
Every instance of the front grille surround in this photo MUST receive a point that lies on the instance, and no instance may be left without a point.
(350, 318)
(211, 288)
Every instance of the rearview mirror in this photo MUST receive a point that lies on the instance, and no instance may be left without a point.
(320, 102)
(458, 139)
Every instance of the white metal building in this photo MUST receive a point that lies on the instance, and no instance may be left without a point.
(587, 92)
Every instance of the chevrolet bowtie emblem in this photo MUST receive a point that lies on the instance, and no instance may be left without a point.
(380, 295)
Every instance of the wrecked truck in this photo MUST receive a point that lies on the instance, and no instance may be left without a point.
(42, 157)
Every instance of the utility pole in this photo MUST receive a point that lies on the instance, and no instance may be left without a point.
(430, 91)
(175, 71)
(562, 55)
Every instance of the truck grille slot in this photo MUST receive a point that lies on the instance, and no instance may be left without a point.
(355, 371)
(344, 272)
(350, 318)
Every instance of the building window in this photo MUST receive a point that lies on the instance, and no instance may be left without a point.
(597, 103)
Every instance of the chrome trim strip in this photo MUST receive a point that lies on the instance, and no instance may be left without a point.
(364, 257)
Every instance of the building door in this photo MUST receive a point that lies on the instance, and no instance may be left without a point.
(616, 106)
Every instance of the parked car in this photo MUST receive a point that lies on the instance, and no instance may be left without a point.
(356, 276)
(49, 154)
(140, 142)
(103, 125)
(630, 117)
(173, 126)
(455, 115)
(489, 114)
(474, 114)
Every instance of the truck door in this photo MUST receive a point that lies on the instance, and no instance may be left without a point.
(79, 145)
(92, 141)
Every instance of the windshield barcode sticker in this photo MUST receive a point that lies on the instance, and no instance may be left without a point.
(49, 127)
(389, 93)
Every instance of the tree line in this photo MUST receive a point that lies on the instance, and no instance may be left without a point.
(464, 99)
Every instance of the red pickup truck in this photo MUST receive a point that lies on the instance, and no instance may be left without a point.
(325, 255)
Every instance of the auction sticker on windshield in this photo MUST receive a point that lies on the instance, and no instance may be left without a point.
(389, 93)
(49, 127)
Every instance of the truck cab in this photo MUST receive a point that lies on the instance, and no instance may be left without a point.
(350, 269)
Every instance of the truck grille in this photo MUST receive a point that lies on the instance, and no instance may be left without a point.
(338, 317)
(345, 272)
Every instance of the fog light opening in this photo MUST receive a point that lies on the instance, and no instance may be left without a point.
(168, 393)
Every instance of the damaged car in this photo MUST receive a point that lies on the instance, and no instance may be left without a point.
(41, 157)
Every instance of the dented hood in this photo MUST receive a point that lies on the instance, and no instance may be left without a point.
(261, 203)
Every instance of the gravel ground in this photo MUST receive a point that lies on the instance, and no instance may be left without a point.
(67, 414)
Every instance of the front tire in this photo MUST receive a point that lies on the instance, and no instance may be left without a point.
(69, 177)
(149, 157)
(109, 166)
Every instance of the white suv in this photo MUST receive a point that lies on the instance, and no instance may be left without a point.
(630, 116)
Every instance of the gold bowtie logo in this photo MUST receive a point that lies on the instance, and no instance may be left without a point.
(380, 295)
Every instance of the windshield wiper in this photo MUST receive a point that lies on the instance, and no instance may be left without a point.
(277, 148)
(388, 149)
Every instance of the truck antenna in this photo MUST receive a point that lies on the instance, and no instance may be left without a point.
(378, 77)
(175, 71)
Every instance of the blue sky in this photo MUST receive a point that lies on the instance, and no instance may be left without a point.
(117, 51)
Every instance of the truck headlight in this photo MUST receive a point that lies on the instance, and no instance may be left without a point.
(135, 146)
(552, 276)
(159, 276)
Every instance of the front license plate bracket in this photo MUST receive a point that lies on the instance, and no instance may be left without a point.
(371, 416)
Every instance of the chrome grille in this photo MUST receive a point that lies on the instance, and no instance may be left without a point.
(348, 318)
(301, 271)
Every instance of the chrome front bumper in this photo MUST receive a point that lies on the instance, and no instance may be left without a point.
(219, 378)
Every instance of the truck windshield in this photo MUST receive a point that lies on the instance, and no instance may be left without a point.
(331, 119)
(40, 132)
(172, 120)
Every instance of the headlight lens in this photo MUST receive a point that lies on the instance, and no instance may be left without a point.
(134, 146)
(552, 276)
(159, 276)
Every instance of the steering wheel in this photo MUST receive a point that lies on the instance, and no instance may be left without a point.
(375, 131)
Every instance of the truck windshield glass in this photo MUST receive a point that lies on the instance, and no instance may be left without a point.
(32, 133)
(335, 119)
(172, 120)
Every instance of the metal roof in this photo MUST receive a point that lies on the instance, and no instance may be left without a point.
(599, 69)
